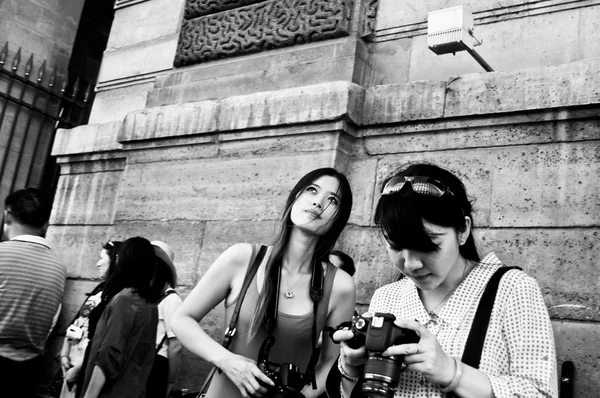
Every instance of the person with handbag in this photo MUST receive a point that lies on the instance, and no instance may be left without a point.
(77, 334)
(284, 294)
(168, 348)
(479, 329)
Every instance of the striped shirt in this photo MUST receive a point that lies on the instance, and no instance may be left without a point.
(32, 281)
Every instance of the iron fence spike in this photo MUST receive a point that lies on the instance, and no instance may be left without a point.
(29, 66)
(88, 91)
(16, 60)
(52, 77)
(3, 54)
(75, 87)
(65, 83)
(41, 72)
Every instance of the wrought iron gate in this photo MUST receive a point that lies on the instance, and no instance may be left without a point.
(30, 113)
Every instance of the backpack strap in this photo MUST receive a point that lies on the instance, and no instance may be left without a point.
(474, 345)
(230, 331)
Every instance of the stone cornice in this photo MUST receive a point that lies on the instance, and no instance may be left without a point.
(422, 106)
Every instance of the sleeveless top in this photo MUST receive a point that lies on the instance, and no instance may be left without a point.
(293, 335)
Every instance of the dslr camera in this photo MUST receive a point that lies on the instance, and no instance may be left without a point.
(288, 379)
(381, 374)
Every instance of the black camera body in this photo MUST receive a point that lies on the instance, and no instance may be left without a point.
(379, 333)
(381, 374)
(288, 379)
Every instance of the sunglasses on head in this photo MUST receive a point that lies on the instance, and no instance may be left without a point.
(419, 184)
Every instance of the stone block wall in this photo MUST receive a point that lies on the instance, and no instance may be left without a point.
(207, 174)
(43, 28)
(203, 156)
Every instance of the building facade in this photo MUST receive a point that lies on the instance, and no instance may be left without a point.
(206, 113)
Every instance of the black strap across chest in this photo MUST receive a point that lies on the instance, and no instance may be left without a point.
(230, 331)
(474, 345)
(317, 283)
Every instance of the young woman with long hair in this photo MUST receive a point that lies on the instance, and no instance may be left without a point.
(315, 214)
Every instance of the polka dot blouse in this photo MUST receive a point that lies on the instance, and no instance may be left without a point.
(518, 355)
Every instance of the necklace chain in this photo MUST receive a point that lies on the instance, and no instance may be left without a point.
(289, 294)
(432, 311)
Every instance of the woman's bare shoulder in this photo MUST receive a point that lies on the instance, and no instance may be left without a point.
(236, 256)
(343, 284)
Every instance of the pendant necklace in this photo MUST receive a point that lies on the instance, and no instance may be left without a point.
(289, 294)
(432, 312)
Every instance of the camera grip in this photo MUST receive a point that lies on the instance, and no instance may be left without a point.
(357, 341)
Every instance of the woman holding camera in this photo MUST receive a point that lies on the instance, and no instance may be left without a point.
(315, 214)
(425, 218)
(81, 330)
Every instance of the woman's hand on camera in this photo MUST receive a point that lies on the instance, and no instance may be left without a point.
(426, 357)
(351, 358)
(244, 373)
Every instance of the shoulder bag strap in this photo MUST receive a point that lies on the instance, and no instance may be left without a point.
(474, 346)
(230, 331)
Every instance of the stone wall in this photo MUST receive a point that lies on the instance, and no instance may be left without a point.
(45, 29)
(208, 174)
(203, 156)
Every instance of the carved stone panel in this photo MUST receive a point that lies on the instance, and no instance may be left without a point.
(199, 8)
(257, 27)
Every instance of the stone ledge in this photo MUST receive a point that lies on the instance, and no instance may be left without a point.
(567, 85)
(87, 139)
(315, 103)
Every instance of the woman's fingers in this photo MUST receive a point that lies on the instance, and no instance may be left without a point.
(262, 377)
(403, 349)
(342, 335)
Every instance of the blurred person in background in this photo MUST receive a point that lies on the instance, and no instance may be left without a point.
(78, 334)
(123, 347)
(166, 363)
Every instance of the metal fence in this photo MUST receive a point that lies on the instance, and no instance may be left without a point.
(31, 110)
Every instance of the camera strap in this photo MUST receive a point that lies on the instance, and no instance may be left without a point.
(474, 345)
(230, 331)
(317, 283)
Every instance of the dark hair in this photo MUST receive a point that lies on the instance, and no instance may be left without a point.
(29, 206)
(109, 287)
(324, 244)
(136, 266)
(347, 262)
(400, 215)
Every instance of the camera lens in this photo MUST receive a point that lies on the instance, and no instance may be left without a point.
(381, 376)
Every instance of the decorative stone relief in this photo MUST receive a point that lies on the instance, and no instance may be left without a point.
(199, 8)
(370, 18)
(258, 27)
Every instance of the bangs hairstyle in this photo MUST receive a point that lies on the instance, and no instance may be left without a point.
(324, 245)
(400, 215)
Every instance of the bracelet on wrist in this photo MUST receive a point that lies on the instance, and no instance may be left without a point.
(455, 379)
(343, 372)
